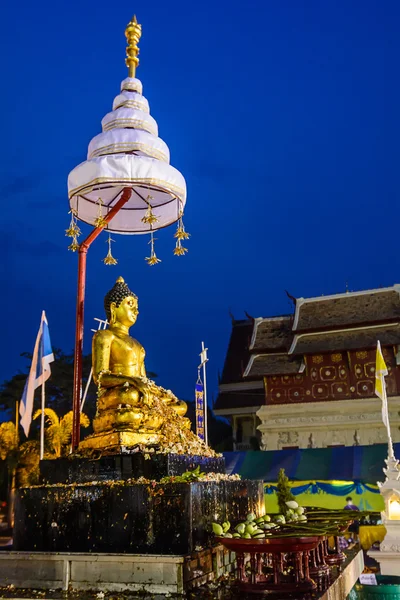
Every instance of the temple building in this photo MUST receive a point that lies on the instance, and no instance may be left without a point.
(307, 380)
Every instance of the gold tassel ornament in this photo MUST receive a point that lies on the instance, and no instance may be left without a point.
(109, 259)
(180, 234)
(152, 259)
(100, 220)
(149, 217)
(74, 246)
(73, 230)
(179, 249)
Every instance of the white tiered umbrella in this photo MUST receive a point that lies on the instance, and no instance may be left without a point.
(128, 153)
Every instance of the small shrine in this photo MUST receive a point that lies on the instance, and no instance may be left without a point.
(388, 555)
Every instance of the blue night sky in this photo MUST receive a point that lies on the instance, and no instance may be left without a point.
(282, 116)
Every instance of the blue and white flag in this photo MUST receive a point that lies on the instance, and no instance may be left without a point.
(39, 373)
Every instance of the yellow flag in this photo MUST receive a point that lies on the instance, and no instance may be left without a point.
(380, 372)
(380, 385)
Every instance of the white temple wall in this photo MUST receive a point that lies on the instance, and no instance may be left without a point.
(355, 422)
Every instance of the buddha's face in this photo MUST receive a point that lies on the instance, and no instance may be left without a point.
(126, 313)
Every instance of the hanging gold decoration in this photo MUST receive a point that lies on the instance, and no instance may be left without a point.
(179, 249)
(181, 233)
(149, 216)
(73, 229)
(152, 259)
(109, 259)
(74, 246)
(100, 220)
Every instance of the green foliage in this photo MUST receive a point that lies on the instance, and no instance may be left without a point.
(59, 431)
(187, 477)
(11, 391)
(28, 464)
(8, 439)
(283, 493)
(24, 458)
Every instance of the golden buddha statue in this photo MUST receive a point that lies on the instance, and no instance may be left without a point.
(131, 409)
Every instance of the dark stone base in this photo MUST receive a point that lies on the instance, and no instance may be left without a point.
(120, 467)
(134, 518)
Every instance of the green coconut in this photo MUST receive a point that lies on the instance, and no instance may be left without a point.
(217, 529)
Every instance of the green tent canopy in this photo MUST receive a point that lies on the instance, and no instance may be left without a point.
(355, 463)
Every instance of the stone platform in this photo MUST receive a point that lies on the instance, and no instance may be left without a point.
(114, 572)
(173, 518)
(120, 467)
(161, 575)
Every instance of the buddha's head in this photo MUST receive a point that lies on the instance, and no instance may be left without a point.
(121, 305)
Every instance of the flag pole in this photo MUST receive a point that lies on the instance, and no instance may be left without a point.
(16, 423)
(43, 396)
(42, 424)
(102, 325)
(204, 360)
(11, 505)
(390, 441)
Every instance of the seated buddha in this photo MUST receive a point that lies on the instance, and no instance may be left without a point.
(127, 402)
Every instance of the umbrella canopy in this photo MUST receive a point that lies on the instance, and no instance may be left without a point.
(128, 153)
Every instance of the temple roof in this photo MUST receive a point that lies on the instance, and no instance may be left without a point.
(237, 355)
(244, 399)
(274, 333)
(271, 346)
(272, 364)
(352, 308)
(346, 339)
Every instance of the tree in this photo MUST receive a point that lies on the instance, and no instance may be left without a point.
(28, 463)
(59, 431)
(8, 439)
(283, 493)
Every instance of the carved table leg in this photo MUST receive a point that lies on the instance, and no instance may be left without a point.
(253, 568)
(240, 566)
(306, 562)
(298, 571)
(276, 562)
(259, 566)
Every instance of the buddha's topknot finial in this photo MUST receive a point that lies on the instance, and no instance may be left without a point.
(133, 33)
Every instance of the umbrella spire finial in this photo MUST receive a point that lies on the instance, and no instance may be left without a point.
(133, 33)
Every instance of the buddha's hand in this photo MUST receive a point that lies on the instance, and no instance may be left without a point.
(167, 396)
(141, 384)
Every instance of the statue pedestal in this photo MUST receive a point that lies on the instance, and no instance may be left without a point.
(93, 506)
(133, 518)
(120, 467)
